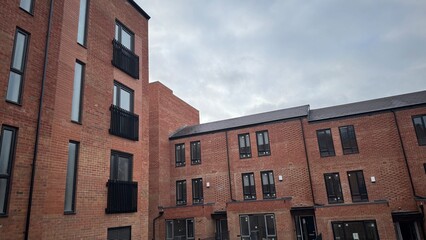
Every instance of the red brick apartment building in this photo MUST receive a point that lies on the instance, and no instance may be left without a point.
(74, 120)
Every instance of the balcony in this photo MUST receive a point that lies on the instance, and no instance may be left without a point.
(125, 60)
(124, 123)
(122, 197)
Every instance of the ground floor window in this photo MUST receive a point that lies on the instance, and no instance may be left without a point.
(408, 230)
(119, 233)
(355, 230)
(180, 229)
(259, 226)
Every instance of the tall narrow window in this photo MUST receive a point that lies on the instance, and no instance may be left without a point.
(121, 166)
(420, 127)
(325, 143)
(181, 192)
(357, 185)
(123, 97)
(27, 5)
(195, 152)
(122, 233)
(70, 186)
(7, 152)
(334, 189)
(268, 184)
(17, 68)
(124, 36)
(348, 138)
(197, 191)
(249, 189)
(180, 154)
(263, 147)
(244, 144)
(77, 92)
(82, 18)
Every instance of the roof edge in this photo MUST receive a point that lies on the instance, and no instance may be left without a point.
(139, 9)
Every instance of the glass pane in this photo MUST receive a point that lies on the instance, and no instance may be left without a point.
(270, 225)
(338, 231)
(169, 229)
(14, 86)
(3, 186)
(246, 180)
(179, 229)
(69, 187)
(242, 141)
(244, 226)
(6, 147)
(76, 95)
(26, 5)
(117, 29)
(123, 169)
(18, 54)
(271, 178)
(126, 39)
(260, 138)
(266, 137)
(265, 178)
(125, 100)
(114, 97)
(82, 22)
(371, 231)
(190, 228)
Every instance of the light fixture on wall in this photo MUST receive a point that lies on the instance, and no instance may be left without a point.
(208, 184)
(280, 178)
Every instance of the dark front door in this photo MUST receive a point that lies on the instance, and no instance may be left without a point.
(305, 226)
(222, 229)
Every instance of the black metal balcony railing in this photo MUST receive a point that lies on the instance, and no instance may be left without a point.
(122, 197)
(124, 59)
(124, 123)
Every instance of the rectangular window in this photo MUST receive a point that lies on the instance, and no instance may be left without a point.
(122, 233)
(180, 229)
(268, 184)
(121, 166)
(249, 189)
(263, 147)
(71, 180)
(7, 154)
(77, 92)
(195, 152)
(180, 154)
(82, 18)
(325, 143)
(357, 185)
(181, 192)
(26, 5)
(17, 68)
(197, 191)
(259, 226)
(424, 166)
(244, 144)
(355, 230)
(420, 127)
(123, 97)
(334, 189)
(348, 138)
(124, 36)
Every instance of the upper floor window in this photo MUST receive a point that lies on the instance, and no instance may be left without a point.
(334, 189)
(124, 36)
(27, 5)
(348, 138)
(181, 192)
(268, 184)
(263, 147)
(77, 92)
(325, 143)
(70, 185)
(180, 154)
(420, 127)
(244, 144)
(195, 152)
(123, 97)
(17, 68)
(249, 189)
(197, 191)
(82, 18)
(357, 185)
(121, 166)
(7, 153)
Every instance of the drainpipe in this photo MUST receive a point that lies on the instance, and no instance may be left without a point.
(153, 223)
(307, 161)
(40, 108)
(229, 166)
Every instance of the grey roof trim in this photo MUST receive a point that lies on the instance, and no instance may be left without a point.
(240, 122)
(139, 9)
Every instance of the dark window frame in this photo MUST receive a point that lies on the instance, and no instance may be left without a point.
(325, 149)
(251, 193)
(363, 193)
(265, 148)
(180, 155)
(118, 97)
(80, 105)
(337, 190)
(86, 18)
(268, 189)
(197, 191)
(31, 10)
(8, 175)
(187, 234)
(19, 72)
(195, 152)
(121, 28)
(117, 228)
(421, 140)
(424, 166)
(364, 222)
(75, 174)
(114, 165)
(348, 139)
(245, 151)
(180, 201)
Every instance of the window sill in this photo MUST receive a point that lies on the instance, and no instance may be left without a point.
(70, 213)
(178, 166)
(30, 13)
(82, 45)
(14, 103)
(3, 215)
(78, 123)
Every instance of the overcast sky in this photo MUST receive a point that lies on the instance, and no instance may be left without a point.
(230, 58)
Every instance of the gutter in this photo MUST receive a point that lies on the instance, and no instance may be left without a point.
(153, 223)
(40, 107)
